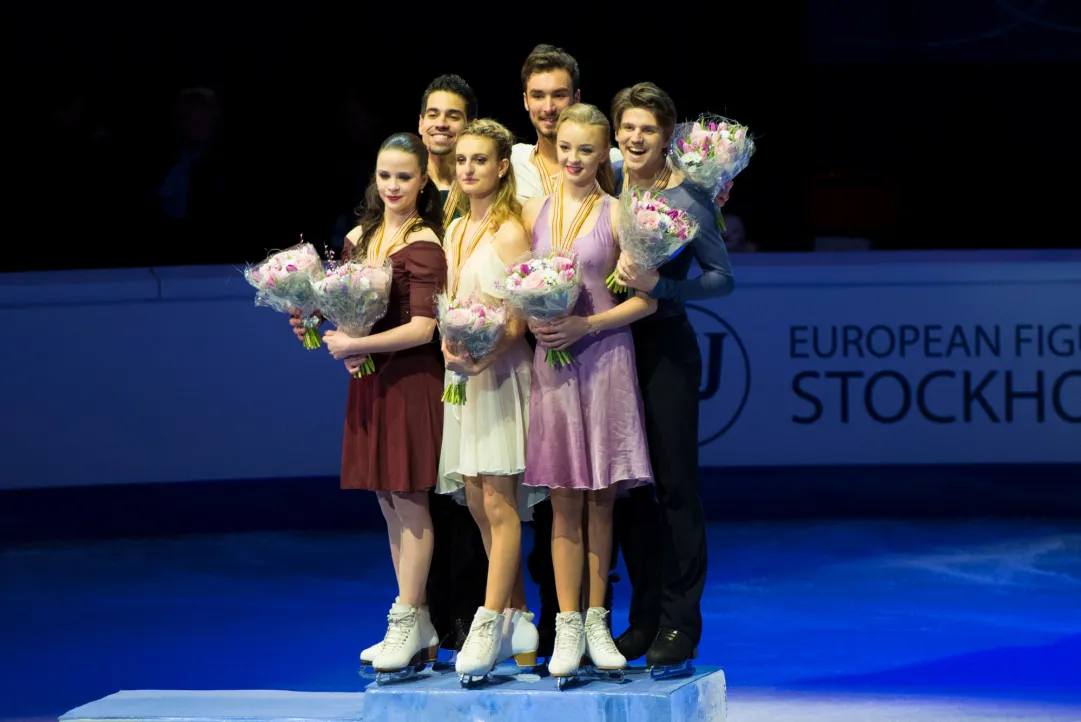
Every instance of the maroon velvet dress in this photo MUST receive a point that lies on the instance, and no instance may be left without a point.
(394, 417)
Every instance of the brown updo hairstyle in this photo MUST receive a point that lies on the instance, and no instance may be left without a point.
(506, 205)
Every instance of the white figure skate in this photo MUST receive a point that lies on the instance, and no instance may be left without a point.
(495, 638)
(520, 640)
(570, 645)
(605, 662)
(367, 656)
(480, 652)
(410, 644)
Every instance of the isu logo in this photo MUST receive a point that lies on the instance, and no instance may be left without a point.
(726, 374)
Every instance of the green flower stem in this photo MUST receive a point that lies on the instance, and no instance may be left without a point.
(454, 394)
(367, 366)
(559, 359)
(312, 340)
(614, 285)
(720, 221)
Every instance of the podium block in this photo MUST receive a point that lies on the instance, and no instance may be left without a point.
(529, 698)
(701, 697)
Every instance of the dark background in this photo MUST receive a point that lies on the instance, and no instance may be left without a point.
(914, 124)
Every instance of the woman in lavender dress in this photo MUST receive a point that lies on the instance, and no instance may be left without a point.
(586, 437)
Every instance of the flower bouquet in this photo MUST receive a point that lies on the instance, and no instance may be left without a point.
(477, 326)
(711, 151)
(545, 287)
(285, 282)
(355, 296)
(651, 232)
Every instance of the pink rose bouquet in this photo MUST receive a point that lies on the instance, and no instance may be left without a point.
(651, 232)
(285, 282)
(354, 296)
(545, 287)
(711, 152)
(477, 326)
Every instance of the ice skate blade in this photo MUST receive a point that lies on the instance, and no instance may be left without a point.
(443, 666)
(402, 675)
(471, 681)
(500, 671)
(419, 661)
(604, 675)
(671, 671)
(588, 673)
(398, 675)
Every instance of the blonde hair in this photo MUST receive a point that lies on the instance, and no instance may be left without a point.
(586, 114)
(506, 205)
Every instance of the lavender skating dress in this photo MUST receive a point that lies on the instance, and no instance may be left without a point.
(586, 427)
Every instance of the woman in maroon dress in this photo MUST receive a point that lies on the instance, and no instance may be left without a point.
(394, 416)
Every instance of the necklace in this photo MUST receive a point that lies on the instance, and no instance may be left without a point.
(377, 252)
(563, 241)
(459, 257)
(450, 207)
(661, 181)
(542, 171)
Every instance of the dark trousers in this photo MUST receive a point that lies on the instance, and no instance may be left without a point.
(458, 576)
(661, 529)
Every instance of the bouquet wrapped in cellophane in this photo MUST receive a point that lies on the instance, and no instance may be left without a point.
(545, 287)
(711, 151)
(286, 280)
(651, 232)
(477, 326)
(354, 296)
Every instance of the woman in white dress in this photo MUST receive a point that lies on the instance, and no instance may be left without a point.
(483, 453)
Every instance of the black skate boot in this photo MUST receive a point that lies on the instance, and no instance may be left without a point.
(457, 637)
(671, 654)
(635, 641)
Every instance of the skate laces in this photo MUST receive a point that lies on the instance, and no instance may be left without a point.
(567, 636)
(480, 636)
(399, 625)
(598, 634)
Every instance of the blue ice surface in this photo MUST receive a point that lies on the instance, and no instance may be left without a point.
(251, 705)
(987, 609)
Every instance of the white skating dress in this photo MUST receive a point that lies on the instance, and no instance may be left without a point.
(487, 435)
